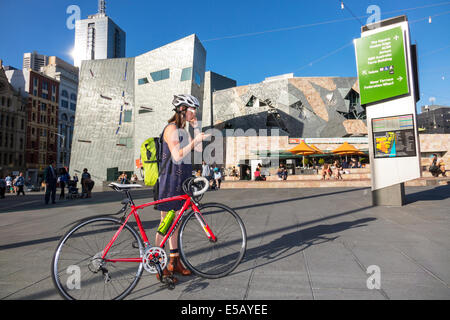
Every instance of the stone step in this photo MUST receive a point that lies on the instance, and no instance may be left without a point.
(325, 183)
(353, 176)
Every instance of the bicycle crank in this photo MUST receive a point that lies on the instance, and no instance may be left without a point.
(152, 257)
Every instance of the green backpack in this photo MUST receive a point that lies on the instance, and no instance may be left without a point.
(150, 159)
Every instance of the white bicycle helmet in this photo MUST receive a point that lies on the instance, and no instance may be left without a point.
(185, 100)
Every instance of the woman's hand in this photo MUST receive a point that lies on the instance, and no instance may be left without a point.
(193, 123)
(200, 137)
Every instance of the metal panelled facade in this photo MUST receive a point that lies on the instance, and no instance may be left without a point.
(105, 92)
(120, 104)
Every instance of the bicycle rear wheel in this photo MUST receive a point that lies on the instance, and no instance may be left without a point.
(80, 273)
(206, 258)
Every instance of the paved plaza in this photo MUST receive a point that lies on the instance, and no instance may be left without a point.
(302, 244)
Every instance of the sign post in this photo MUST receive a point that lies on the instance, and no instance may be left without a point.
(388, 89)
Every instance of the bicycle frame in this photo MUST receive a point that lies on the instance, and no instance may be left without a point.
(189, 203)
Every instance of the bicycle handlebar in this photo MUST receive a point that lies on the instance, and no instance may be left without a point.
(205, 188)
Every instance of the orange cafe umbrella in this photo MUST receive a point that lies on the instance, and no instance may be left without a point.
(317, 149)
(346, 149)
(303, 149)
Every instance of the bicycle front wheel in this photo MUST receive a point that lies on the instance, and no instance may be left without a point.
(80, 273)
(212, 259)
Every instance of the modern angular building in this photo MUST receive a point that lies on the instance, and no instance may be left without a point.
(122, 102)
(297, 106)
(98, 37)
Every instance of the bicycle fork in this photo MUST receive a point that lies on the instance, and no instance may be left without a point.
(205, 227)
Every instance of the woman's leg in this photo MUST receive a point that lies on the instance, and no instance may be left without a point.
(175, 264)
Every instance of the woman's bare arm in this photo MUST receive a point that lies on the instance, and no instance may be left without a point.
(171, 138)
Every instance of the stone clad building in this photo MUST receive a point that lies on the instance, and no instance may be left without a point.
(297, 106)
(13, 122)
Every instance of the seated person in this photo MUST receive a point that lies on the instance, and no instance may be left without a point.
(326, 171)
(282, 172)
(258, 175)
(338, 170)
(441, 166)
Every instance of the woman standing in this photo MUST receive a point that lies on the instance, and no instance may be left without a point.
(176, 167)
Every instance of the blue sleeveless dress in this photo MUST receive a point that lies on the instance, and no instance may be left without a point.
(173, 174)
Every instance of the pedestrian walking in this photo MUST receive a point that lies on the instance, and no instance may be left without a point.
(50, 179)
(8, 181)
(2, 187)
(86, 183)
(63, 180)
(20, 184)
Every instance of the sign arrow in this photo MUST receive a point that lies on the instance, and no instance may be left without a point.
(400, 78)
(396, 37)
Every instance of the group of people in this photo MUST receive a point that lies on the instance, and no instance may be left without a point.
(437, 167)
(336, 169)
(12, 184)
(52, 179)
(123, 179)
(212, 173)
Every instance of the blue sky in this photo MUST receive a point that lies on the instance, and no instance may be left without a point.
(245, 40)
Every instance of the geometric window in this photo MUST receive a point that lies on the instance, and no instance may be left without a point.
(160, 75)
(142, 81)
(127, 116)
(186, 74)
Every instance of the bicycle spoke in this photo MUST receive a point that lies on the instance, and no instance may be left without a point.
(83, 246)
(213, 259)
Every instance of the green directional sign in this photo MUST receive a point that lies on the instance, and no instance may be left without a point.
(381, 64)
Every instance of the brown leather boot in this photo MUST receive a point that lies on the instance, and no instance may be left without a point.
(175, 265)
(168, 273)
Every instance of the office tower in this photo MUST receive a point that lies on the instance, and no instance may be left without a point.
(34, 61)
(98, 37)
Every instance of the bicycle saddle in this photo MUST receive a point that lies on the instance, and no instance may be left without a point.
(119, 187)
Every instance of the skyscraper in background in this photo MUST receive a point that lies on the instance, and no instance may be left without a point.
(98, 37)
(34, 61)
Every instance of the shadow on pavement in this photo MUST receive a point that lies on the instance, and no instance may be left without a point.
(438, 193)
(32, 202)
(298, 239)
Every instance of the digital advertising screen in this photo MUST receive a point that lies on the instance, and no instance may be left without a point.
(394, 137)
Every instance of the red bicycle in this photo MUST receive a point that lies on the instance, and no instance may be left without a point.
(104, 257)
